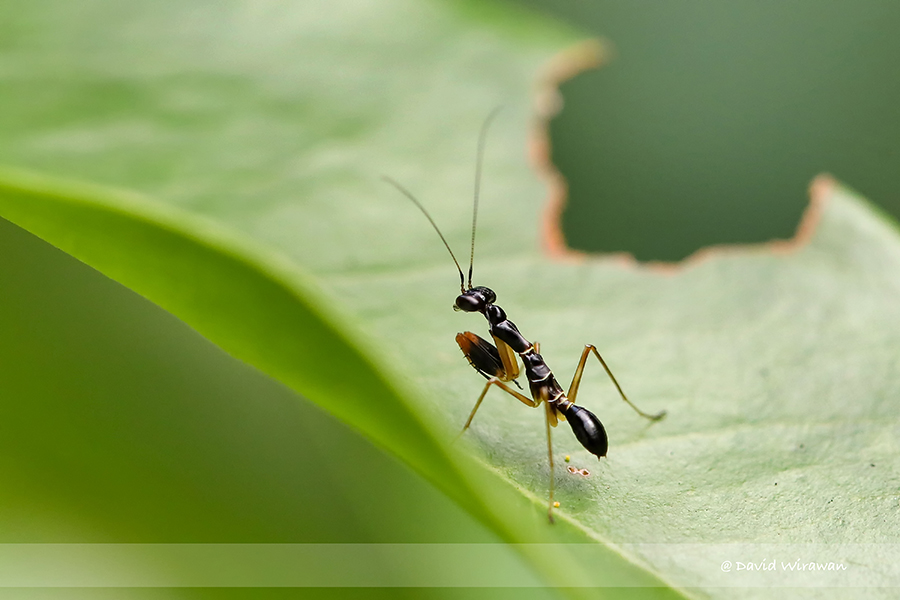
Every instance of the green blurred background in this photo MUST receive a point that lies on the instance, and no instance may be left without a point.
(713, 118)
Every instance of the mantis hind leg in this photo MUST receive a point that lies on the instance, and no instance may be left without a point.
(576, 382)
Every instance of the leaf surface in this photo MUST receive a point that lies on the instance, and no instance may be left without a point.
(244, 145)
(258, 131)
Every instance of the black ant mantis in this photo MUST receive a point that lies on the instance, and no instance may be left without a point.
(497, 362)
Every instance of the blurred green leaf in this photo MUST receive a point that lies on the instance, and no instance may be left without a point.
(260, 130)
(260, 133)
(118, 423)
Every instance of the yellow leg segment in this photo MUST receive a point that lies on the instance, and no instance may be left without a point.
(576, 381)
(494, 381)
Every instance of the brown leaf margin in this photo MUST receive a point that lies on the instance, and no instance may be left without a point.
(593, 54)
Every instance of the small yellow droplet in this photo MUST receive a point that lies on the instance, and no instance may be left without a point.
(568, 458)
(556, 505)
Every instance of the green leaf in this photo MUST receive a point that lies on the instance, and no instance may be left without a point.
(260, 132)
(246, 144)
(118, 423)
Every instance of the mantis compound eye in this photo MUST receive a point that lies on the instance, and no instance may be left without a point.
(469, 302)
